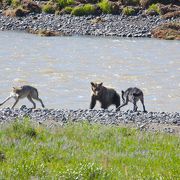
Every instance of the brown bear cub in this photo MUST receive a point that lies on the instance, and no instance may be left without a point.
(106, 96)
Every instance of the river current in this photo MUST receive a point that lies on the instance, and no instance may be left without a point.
(61, 68)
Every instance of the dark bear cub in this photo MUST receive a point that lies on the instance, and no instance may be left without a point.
(106, 96)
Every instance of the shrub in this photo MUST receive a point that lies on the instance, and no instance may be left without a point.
(154, 7)
(15, 3)
(128, 11)
(146, 3)
(105, 6)
(89, 9)
(78, 11)
(48, 8)
(68, 9)
(63, 3)
(83, 10)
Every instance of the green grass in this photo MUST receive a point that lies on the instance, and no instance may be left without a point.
(16, 3)
(68, 9)
(105, 6)
(87, 9)
(48, 8)
(128, 11)
(154, 7)
(63, 3)
(84, 151)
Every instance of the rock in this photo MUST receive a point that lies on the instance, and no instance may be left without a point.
(145, 3)
(97, 20)
(101, 25)
(167, 31)
(19, 12)
(169, 15)
(115, 8)
(45, 32)
(152, 13)
(168, 8)
(31, 6)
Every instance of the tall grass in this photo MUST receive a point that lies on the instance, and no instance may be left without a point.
(105, 6)
(128, 11)
(48, 8)
(154, 7)
(84, 151)
(87, 9)
(63, 3)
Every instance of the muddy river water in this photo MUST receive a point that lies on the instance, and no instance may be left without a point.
(61, 68)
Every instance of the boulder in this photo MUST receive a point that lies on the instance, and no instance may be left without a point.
(130, 2)
(44, 32)
(115, 8)
(168, 31)
(19, 12)
(152, 13)
(168, 8)
(31, 6)
(171, 15)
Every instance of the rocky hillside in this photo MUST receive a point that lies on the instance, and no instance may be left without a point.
(138, 18)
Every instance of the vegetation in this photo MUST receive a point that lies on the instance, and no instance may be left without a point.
(105, 6)
(63, 3)
(68, 9)
(15, 3)
(84, 151)
(83, 10)
(128, 11)
(154, 7)
(48, 8)
(91, 7)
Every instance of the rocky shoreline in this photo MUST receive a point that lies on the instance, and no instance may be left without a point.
(103, 25)
(153, 121)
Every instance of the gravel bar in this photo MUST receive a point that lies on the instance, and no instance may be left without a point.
(103, 25)
(163, 121)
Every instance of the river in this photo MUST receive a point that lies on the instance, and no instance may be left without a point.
(61, 68)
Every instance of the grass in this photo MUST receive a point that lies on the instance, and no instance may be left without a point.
(87, 9)
(48, 8)
(105, 6)
(63, 3)
(154, 7)
(84, 151)
(68, 9)
(128, 11)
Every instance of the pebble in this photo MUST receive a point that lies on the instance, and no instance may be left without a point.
(101, 116)
(109, 25)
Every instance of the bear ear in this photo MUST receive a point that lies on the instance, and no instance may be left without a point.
(122, 92)
(101, 84)
(92, 84)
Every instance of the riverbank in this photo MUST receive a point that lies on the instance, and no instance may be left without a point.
(103, 25)
(153, 121)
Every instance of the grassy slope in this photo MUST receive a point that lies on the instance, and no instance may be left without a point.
(86, 151)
